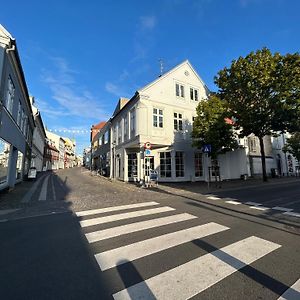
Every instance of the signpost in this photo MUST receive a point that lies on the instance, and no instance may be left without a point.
(207, 149)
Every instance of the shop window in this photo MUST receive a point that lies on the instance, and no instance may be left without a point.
(165, 164)
(4, 160)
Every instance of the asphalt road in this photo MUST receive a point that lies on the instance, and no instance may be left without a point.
(89, 238)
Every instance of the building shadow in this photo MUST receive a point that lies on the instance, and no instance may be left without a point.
(131, 276)
(263, 279)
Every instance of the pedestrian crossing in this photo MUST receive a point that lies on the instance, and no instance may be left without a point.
(180, 282)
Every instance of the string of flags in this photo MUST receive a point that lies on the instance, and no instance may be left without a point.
(74, 131)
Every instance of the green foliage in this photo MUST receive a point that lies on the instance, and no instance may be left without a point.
(293, 145)
(210, 127)
(263, 92)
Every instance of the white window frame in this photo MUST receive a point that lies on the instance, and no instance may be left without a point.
(179, 165)
(158, 117)
(120, 132)
(125, 127)
(10, 93)
(19, 116)
(194, 94)
(178, 121)
(132, 122)
(162, 162)
(198, 163)
(179, 90)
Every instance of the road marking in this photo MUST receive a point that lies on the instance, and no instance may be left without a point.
(193, 277)
(135, 214)
(134, 227)
(253, 203)
(293, 214)
(8, 211)
(32, 190)
(260, 207)
(213, 198)
(282, 208)
(293, 293)
(113, 208)
(233, 202)
(118, 256)
(43, 194)
(292, 202)
(53, 190)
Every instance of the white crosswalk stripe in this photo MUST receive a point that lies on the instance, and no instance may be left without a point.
(293, 293)
(112, 258)
(191, 278)
(183, 281)
(124, 216)
(134, 227)
(114, 208)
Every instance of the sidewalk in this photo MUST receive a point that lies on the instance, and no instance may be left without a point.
(203, 188)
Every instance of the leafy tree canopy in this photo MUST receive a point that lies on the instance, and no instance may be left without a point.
(263, 92)
(210, 126)
(293, 145)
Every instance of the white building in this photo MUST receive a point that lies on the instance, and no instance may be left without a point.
(286, 163)
(39, 139)
(162, 114)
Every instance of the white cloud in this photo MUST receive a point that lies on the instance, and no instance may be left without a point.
(72, 99)
(148, 22)
(114, 89)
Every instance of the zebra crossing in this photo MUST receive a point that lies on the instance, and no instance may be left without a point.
(181, 282)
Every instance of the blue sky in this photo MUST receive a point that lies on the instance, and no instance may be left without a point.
(79, 57)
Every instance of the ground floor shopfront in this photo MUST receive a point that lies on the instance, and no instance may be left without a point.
(176, 164)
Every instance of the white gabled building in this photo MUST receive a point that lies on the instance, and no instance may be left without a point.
(160, 113)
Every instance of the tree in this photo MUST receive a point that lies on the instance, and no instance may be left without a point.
(262, 92)
(293, 145)
(210, 127)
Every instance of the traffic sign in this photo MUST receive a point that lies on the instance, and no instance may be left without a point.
(147, 145)
(206, 148)
(147, 152)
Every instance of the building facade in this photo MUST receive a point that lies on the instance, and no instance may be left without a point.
(39, 139)
(162, 115)
(16, 119)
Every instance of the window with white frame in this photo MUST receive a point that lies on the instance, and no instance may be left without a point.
(115, 134)
(120, 132)
(25, 125)
(158, 118)
(179, 164)
(10, 93)
(179, 89)
(132, 123)
(198, 164)
(19, 114)
(178, 121)
(106, 137)
(125, 127)
(165, 164)
(194, 94)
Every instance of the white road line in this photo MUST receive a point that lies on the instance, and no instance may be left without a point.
(293, 214)
(233, 202)
(113, 208)
(53, 189)
(260, 207)
(193, 277)
(252, 203)
(118, 256)
(43, 194)
(124, 216)
(282, 208)
(293, 293)
(213, 198)
(134, 227)
(32, 190)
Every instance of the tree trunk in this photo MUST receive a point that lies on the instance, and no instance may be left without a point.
(263, 158)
